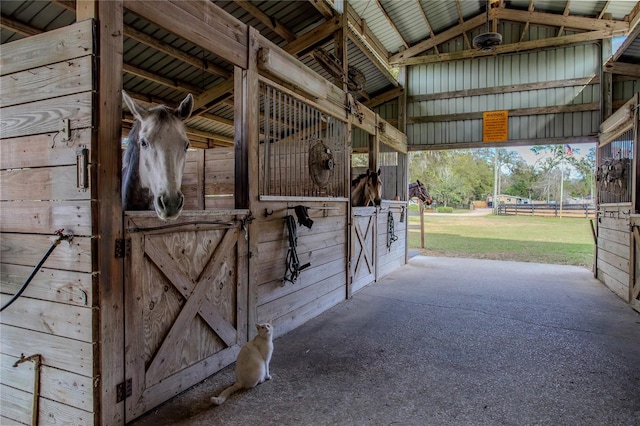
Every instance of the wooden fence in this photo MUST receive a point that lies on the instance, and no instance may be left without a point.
(548, 210)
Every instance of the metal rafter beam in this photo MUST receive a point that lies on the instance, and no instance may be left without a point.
(390, 21)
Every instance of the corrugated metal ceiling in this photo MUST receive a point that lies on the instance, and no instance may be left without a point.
(395, 23)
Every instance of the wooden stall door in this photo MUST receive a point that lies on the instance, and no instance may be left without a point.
(363, 255)
(634, 264)
(186, 296)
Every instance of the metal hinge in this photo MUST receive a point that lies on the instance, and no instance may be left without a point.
(124, 390)
(123, 248)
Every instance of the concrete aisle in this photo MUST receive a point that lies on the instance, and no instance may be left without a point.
(446, 341)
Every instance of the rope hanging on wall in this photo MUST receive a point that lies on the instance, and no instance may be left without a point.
(293, 263)
(391, 231)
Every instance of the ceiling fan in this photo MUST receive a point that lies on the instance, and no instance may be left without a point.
(486, 41)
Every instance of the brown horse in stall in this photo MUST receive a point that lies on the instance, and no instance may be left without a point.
(366, 189)
(418, 190)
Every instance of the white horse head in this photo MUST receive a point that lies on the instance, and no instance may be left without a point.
(160, 138)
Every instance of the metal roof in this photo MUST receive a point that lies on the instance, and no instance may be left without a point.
(395, 25)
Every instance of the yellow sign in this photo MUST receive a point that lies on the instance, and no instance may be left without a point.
(495, 126)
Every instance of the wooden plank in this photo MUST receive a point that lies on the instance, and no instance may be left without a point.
(274, 267)
(619, 262)
(43, 150)
(110, 319)
(59, 352)
(272, 290)
(53, 318)
(613, 223)
(44, 217)
(17, 406)
(307, 312)
(27, 250)
(177, 383)
(284, 67)
(618, 249)
(219, 202)
(19, 376)
(611, 282)
(57, 413)
(68, 287)
(620, 237)
(45, 116)
(289, 303)
(201, 23)
(58, 45)
(50, 81)
(62, 386)
(154, 373)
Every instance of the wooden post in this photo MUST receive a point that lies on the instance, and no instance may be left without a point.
(402, 126)
(108, 214)
(246, 97)
(421, 224)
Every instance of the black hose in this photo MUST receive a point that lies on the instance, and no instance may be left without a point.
(15, 297)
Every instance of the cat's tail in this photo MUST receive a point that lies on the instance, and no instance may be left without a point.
(225, 393)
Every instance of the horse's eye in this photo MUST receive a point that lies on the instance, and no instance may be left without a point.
(186, 146)
(144, 143)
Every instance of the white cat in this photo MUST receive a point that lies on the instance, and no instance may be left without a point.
(252, 365)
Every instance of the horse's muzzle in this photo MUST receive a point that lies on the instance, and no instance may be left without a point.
(169, 208)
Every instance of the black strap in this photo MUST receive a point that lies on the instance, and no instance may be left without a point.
(293, 263)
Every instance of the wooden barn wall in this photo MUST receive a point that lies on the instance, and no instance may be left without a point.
(208, 180)
(322, 285)
(391, 254)
(44, 79)
(613, 250)
(551, 94)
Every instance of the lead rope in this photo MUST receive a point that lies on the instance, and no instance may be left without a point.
(293, 263)
(61, 237)
(391, 231)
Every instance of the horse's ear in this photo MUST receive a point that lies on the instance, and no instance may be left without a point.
(379, 171)
(418, 180)
(138, 111)
(186, 106)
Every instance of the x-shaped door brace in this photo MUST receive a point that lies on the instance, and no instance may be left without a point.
(364, 252)
(197, 302)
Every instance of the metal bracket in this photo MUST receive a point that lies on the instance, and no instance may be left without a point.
(65, 129)
(123, 248)
(82, 168)
(124, 390)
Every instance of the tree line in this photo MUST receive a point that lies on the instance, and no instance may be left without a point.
(458, 177)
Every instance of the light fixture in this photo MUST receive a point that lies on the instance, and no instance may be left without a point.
(486, 41)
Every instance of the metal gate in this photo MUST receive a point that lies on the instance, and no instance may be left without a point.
(363, 250)
(186, 298)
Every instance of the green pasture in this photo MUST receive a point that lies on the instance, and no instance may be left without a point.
(566, 241)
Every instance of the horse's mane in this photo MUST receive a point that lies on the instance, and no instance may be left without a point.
(133, 196)
(355, 181)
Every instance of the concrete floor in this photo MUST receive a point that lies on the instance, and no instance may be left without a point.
(446, 341)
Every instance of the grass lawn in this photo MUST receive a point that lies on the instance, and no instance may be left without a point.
(566, 241)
